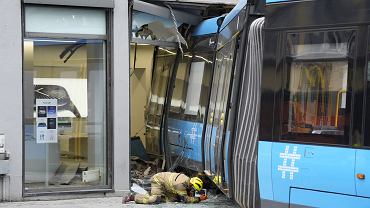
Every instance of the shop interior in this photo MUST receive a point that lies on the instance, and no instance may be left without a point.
(65, 142)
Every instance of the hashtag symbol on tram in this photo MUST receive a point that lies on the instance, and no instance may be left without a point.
(193, 134)
(291, 167)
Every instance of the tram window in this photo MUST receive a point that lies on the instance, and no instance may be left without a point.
(190, 95)
(316, 103)
(181, 83)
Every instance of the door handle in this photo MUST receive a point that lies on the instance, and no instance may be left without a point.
(361, 176)
(222, 119)
(211, 118)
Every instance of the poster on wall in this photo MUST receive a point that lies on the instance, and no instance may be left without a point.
(46, 120)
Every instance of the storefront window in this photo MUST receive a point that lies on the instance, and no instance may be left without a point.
(65, 105)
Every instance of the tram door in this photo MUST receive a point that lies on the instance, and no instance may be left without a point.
(216, 141)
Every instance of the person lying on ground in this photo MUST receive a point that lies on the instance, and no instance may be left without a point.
(170, 187)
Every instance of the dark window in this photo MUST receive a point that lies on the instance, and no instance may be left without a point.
(316, 100)
(367, 115)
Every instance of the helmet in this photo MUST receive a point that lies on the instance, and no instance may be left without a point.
(197, 183)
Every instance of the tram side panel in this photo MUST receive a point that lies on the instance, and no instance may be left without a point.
(192, 86)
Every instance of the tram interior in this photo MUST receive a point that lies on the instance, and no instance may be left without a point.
(316, 100)
(316, 97)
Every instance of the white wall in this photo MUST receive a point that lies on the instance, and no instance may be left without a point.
(11, 93)
(140, 80)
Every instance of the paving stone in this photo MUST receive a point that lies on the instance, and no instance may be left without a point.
(115, 202)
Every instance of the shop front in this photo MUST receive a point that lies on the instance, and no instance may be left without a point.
(59, 135)
(65, 102)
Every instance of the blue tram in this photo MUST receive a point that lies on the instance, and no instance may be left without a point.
(189, 100)
(314, 133)
(290, 88)
(208, 88)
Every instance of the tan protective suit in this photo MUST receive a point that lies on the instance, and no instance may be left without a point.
(168, 187)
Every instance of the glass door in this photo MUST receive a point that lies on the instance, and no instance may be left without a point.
(210, 130)
(216, 141)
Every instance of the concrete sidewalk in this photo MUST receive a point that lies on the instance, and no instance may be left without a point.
(114, 202)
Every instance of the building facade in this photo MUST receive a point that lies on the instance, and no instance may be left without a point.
(64, 125)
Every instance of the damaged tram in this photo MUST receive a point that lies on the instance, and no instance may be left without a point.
(206, 115)
(292, 90)
(197, 98)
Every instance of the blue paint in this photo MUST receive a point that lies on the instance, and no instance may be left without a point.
(264, 170)
(234, 13)
(321, 168)
(317, 165)
(326, 200)
(190, 135)
(207, 27)
(227, 156)
(363, 166)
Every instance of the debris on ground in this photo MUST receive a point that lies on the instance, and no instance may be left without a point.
(142, 171)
